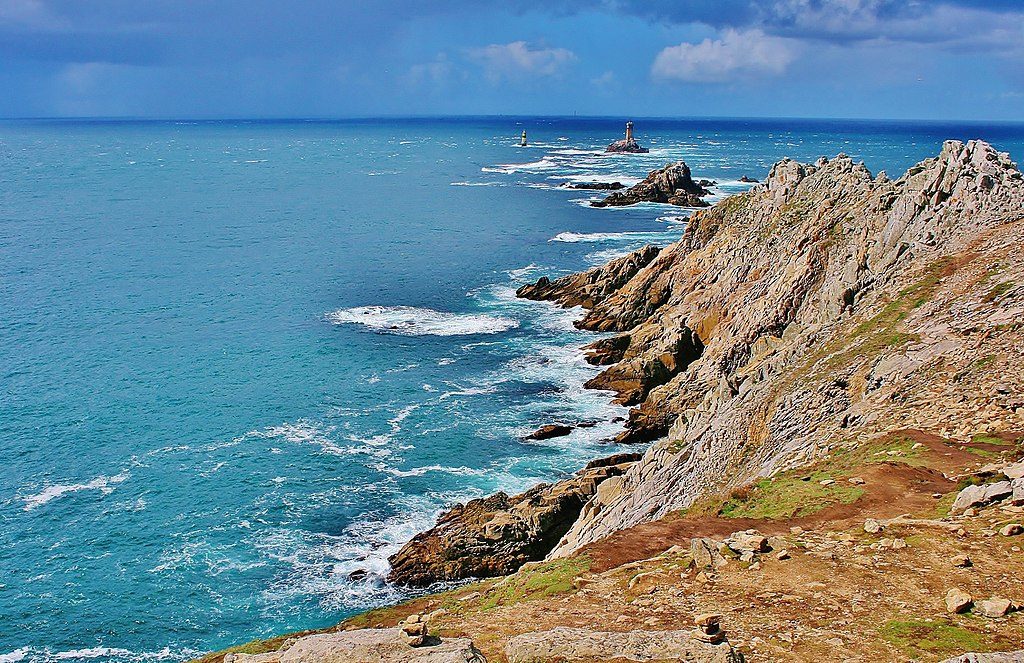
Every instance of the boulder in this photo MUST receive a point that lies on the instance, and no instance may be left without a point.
(549, 431)
(1013, 529)
(705, 554)
(367, 646)
(1017, 497)
(872, 526)
(749, 541)
(993, 608)
(976, 496)
(496, 535)
(958, 601)
(577, 644)
(992, 657)
(672, 184)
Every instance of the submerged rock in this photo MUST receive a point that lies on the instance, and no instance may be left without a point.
(672, 184)
(498, 534)
(549, 431)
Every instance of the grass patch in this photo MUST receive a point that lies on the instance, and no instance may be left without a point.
(546, 580)
(789, 496)
(920, 637)
(981, 438)
(999, 290)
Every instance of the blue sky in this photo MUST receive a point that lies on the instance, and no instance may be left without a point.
(929, 59)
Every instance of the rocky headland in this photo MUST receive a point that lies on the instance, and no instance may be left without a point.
(829, 371)
(672, 184)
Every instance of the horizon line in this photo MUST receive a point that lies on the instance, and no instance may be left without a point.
(399, 117)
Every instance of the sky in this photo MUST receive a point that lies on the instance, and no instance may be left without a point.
(909, 59)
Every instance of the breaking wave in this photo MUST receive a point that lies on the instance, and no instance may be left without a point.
(413, 321)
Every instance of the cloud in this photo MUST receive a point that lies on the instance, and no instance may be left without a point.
(736, 54)
(520, 60)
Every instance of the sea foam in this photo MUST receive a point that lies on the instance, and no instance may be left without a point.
(412, 321)
(104, 484)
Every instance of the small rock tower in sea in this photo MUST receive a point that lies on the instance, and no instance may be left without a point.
(627, 145)
(522, 140)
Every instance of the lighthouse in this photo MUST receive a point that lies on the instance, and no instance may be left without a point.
(628, 144)
(522, 141)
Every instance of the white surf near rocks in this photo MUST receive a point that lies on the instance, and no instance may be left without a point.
(414, 321)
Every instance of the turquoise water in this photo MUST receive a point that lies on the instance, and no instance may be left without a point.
(240, 361)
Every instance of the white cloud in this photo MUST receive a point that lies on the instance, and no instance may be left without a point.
(735, 54)
(518, 59)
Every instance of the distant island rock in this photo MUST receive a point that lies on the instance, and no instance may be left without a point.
(672, 184)
(595, 186)
(627, 145)
(748, 180)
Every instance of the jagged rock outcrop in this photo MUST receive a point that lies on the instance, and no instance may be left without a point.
(577, 644)
(672, 184)
(589, 288)
(824, 306)
(498, 534)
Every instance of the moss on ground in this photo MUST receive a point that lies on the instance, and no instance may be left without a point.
(924, 637)
(789, 496)
(548, 579)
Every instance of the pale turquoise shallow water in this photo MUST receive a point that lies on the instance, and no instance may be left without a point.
(203, 431)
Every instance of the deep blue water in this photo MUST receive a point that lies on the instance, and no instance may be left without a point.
(213, 404)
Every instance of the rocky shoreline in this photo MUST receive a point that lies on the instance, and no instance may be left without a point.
(829, 367)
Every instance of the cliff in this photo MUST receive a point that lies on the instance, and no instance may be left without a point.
(823, 307)
(830, 369)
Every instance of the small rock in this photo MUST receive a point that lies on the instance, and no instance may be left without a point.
(414, 630)
(708, 619)
(962, 561)
(782, 554)
(958, 601)
(872, 526)
(1013, 529)
(548, 431)
(857, 481)
(827, 482)
(970, 512)
(899, 544)
(993, 608)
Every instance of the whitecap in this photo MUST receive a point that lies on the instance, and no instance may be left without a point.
(475, 183)
(14, 656)
(104, 484)
(412, 321)
(574, 238)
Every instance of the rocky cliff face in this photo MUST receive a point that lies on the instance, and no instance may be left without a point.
(822, 308)
(672, 184)
(498, 534)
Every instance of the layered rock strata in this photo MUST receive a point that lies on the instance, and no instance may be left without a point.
(823, 307)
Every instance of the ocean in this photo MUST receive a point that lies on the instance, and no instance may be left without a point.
(242, 362)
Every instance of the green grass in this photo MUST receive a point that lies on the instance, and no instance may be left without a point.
(546, 580)
(999, 290)
(789, 496)
(981, 438)
(919, 637)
